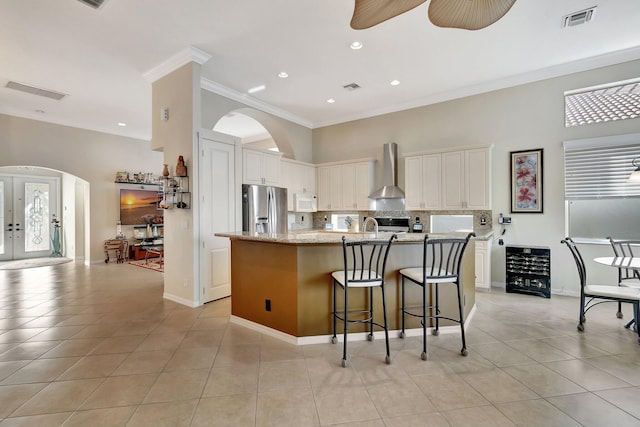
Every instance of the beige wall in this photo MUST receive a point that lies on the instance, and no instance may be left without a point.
(92, 156)
(524, 117)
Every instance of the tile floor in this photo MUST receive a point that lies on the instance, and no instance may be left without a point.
(100, 347)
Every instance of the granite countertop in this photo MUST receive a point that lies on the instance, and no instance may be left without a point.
(311, 237)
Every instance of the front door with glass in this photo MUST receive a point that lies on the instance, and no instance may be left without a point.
(27, 208)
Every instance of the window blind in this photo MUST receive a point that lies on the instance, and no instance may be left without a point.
(593, 171)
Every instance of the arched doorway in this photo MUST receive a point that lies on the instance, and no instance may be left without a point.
(36, 204)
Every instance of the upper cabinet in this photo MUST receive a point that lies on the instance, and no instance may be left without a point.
(345, 186)
(451, 180)
(260, 167)
(297, 178)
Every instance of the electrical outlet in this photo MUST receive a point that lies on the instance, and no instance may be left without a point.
(267, 304)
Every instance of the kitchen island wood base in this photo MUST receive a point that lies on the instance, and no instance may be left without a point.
(287, 287)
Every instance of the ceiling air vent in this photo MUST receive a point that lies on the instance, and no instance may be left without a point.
(35, 90)
(96, 4)
(351, 86)
(578, 18)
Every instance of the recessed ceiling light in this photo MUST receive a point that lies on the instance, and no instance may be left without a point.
(395, 82)
(257, 89)
(356, 45)
(283, 75)
(331, 100)
(122, 124)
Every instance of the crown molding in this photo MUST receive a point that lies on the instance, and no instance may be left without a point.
(244, 98)
(190, 54)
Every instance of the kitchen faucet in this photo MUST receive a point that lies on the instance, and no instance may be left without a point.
(375, 224)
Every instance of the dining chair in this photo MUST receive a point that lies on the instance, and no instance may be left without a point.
(592, 295)
(441, 265)
(626, 276)
(364, 268)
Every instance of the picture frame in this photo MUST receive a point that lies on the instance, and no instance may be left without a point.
(527, 181)
(122, 176)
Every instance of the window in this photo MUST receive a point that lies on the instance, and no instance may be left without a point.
(600, 202)
(614, 101)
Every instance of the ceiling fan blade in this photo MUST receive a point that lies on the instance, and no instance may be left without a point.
(368, 13)
(467, 14)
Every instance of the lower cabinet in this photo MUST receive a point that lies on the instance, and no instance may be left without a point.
(483, 264)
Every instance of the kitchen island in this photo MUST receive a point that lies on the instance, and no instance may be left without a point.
(283, 281)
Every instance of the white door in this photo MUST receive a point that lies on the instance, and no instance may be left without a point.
(27, 207)
(217, 214)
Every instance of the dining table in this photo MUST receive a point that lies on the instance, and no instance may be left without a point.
(632, 263)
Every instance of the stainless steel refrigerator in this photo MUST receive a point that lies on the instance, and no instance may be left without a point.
(264, 209)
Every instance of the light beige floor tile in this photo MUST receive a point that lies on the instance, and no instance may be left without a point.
(142, 327)
(542, 380)
(41, 370)
(45, 322)
(72, 347)
(344, 405)
(232, 379)
(13, 396)
(327, 372)
(227, 411)
(120, 391)
(102, 330)
(28, 350)
(497, 386)
(210, 323)
(125, 344)
(97, 366)
(290, 407)
(536, 413)
(232, 354)
(191, 358)
(20, 335)
(449, 391)
(57, 333)
(144, 362)
(161, 341)
(618, 366)
(288, 374)
(538, 350)
(586, 375)
(177, 385)
(400, 397)
(480, 416)
(501, 354)
(575, 346)
(591, 410)
(60, 396)
(627, 399)
(50, 420)
(433, 419)
(108, 417)
(8, 368)
(166, 414)
(206, 339)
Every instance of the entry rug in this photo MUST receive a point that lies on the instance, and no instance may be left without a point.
(32, 262)
(151, 265)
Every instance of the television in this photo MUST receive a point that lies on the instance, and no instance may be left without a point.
(139, 207)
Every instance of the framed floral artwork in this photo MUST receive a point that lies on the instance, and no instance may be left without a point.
(526, 181)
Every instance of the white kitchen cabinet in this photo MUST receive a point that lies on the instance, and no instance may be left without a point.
(345, 186)
(483, 264)
(297, 178)
(260, 168)
(423, 182)
(450, 180)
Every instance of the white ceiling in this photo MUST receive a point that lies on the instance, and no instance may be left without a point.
(99, 57)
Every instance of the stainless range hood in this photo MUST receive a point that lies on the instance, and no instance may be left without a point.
(389, 189)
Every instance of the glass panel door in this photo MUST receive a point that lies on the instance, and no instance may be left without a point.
(6, 221)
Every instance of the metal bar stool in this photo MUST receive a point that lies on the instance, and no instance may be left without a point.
(364, 266)
(626, 276)
(441, 262)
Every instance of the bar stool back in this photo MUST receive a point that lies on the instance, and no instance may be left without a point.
(364, 267)
(441, 264)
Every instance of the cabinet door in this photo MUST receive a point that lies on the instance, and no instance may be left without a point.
(308, 179)
(478, 178)
(363, 185)
(335, 187)
(251, 167)
(324, 192)
(349, 200)
(453, 180)
(413, 183)
(432, 184)
(483, 264)
(288, 175)
(271, 169)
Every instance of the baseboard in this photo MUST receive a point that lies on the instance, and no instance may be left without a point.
(356, 336)
(180, 300)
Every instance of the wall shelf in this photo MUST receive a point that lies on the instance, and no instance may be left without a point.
(174, 193)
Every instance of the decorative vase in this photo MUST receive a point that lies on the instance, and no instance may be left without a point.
(165, 171)
(181, 168)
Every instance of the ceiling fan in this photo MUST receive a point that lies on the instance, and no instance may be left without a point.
(464, 14)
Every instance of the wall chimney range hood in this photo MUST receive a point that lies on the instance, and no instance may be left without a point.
(389, 189)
